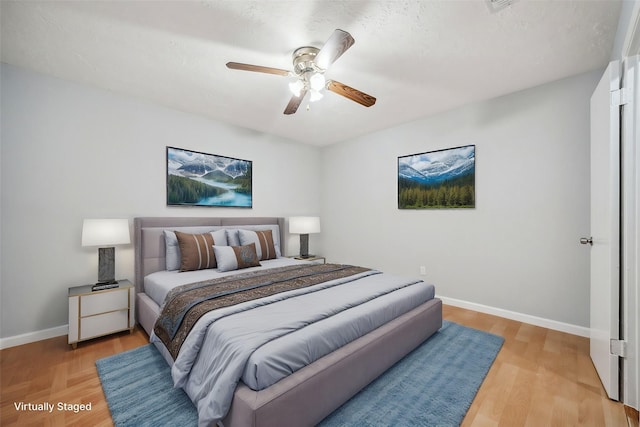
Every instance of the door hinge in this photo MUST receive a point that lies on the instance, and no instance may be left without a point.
(620, 97)
(618, 348)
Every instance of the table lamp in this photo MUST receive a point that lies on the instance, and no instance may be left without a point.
(105, 233)
(304, 225)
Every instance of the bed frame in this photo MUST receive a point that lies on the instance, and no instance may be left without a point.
(310, 394)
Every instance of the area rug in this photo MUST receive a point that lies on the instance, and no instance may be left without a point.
(139, 390)
(432, 386)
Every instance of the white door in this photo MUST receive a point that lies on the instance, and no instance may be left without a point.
(605, 227)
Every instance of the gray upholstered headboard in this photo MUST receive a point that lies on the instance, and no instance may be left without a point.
(148, 238)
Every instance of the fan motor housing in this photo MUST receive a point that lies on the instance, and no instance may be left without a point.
(303, 60)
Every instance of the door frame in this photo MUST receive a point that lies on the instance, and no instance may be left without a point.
(630, 245)
(630, 290)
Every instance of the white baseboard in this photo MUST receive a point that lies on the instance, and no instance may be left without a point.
(30, 337)
(520, 317)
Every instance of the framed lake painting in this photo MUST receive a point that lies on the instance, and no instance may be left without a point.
(200, 179)
(442, 179)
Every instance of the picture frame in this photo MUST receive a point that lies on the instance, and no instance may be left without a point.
(440, 179)
(200, 179)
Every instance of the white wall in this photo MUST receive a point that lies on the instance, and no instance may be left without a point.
(70, 152)
(518, 250)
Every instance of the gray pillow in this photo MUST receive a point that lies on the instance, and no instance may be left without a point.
(232, 237)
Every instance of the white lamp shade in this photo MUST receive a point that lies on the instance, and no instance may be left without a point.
(105, 232)
(304, 224)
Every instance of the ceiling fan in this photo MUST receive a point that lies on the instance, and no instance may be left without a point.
(309, 66)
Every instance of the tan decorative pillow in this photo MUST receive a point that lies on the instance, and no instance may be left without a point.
(196, 251)
(263, 239)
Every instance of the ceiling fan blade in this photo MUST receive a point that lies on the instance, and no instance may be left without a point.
(295, 102)
(351, 93)
(337, 44)
(257, 68)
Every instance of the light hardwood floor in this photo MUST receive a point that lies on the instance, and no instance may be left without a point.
(540, 378)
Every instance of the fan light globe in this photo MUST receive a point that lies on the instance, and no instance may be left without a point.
(296, 87)
(314, 95)
(316, 82)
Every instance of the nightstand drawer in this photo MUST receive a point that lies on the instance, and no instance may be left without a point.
(104, 302)
(96, 313)
(103, 324)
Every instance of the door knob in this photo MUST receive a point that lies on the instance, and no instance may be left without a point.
(586, 240)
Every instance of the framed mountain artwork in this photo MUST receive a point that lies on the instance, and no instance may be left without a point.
(442, 179)
(200, 179)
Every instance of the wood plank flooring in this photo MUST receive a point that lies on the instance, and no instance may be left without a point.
(540, 378)
(50, 371)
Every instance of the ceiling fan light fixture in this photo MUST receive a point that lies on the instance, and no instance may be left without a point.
(317, 82)
(296, 87)
(314, 95)
(309, 65)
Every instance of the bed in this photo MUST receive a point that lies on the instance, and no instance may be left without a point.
(310, 391)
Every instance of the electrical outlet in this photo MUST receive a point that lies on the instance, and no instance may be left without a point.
(423, 270)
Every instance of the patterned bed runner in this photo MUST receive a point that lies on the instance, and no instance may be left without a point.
(185, 304)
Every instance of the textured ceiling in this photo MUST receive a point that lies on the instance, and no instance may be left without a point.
(416, 57)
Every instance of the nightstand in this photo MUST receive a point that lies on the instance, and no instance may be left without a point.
(314, 259)
(93, 314)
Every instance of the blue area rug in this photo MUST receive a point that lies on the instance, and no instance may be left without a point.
(139, 390)
(432, 386)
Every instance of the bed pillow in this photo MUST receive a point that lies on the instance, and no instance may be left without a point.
(263, 239)
(173, 258)
(196, 251)
(236, 257)
(232, 237)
